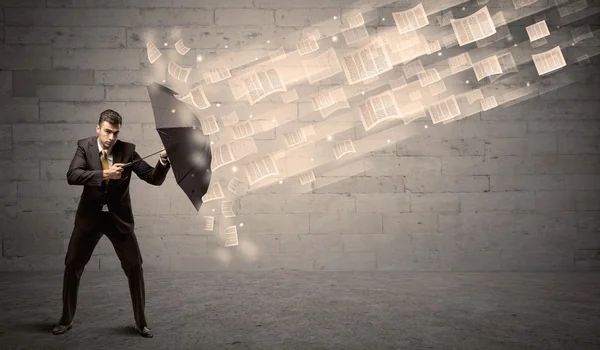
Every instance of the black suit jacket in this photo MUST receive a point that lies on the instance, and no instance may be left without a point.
(86, 170)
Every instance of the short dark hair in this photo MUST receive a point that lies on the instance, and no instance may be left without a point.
(111, 117)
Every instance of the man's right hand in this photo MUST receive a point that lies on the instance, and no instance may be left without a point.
(114, 172)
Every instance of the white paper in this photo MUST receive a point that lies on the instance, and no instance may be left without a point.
(429, 77)
(227, 209)
(215, 75)
(377, 109)
(549, 61)
(366, 62)
(153, 52)
(231, 236)
(277, 55)
(410, 20)
(342, 148)
(537, 31)
(460, 63)
(181, 48)
(178, 72)
(443, 110)
(243, 129)
(322, 67)
(413, 69)
(356, 20)
(209, 125)
(261, 84)
(522, 3)
(214, 192)
(209, 223)
(487, 67)
(338, 99)
(298, 136)
(308, 45)
(474, 27)
(260, 169)
(488, 103)
(234, 184)
(196, 97)
(354, 35)
(307, 177)
(474, 95)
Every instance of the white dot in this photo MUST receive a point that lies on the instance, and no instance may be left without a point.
(466, 81)
(463, 8)
(334, 38)
(334, 17)
(256, 58)
(528, 84)
(557, 27)
(250, 115)
(509, 38)
(388, 141)
(312, 159)
(362, 92)
(329, 137)
(199, 59)
(383, 18)
(273, 120)
(218, 104)
(226, 46)
(439, 53)
(572, 44)
(515, 45)
(280, 181)
(172, 111)
(164, 81)
(268, 41)
(166, 44)
(241, 224)
(234, 169)
(212, 142)
(426, 126)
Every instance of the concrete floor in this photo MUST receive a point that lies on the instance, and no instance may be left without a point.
(310, 310)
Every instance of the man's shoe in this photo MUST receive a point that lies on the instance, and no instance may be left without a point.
(61, 328)
(144, 332)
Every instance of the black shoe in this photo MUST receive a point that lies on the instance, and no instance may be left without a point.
(144, 331)
(61, 328)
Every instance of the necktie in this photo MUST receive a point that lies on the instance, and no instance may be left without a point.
(105, 163)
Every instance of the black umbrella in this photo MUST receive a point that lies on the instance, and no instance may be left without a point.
(181, 134)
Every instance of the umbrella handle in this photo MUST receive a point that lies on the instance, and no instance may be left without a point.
(135, 161)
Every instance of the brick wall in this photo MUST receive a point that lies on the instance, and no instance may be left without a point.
(513, 188)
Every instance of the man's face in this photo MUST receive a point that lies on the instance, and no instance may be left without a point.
(107, 134)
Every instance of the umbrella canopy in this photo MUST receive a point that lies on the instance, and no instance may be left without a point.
(181, 134)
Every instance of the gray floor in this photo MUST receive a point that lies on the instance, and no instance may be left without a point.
(310, 310)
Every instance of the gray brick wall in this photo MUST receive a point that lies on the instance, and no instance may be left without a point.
(513, 188)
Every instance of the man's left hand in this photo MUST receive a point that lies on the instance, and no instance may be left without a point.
(163, 154)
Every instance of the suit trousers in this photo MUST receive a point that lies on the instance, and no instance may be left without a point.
(81, 247)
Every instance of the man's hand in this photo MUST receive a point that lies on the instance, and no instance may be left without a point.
(114, 172)
(163, 154)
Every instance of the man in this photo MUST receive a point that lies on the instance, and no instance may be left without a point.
(105, 208)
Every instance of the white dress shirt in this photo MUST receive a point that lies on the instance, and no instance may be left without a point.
(109, 156)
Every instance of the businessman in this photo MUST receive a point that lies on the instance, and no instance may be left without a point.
(105, 208)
